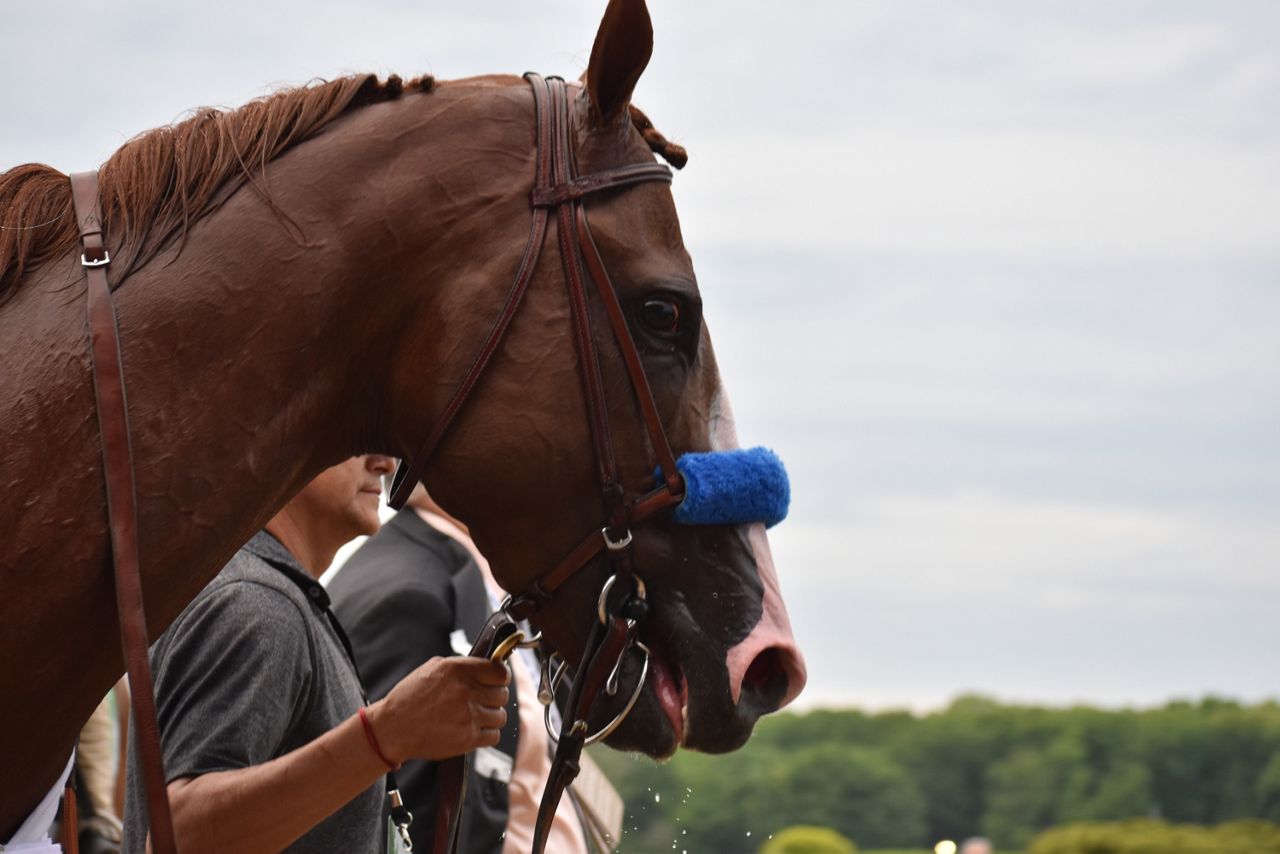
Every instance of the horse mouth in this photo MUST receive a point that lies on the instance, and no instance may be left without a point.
(670, 690)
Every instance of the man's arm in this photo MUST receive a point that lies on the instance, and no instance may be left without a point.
(444, 708)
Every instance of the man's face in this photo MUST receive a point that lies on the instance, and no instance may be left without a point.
(345, 497)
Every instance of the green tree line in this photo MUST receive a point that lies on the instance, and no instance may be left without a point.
(900, 780)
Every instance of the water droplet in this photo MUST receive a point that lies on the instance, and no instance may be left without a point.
(657, 798)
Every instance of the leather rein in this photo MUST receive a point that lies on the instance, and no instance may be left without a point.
(558, 190)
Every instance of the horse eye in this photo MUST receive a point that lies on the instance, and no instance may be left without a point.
(661, 316)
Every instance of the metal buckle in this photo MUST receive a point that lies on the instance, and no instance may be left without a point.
(616, 545)
(104, 261)
(506, 646)
(401, 818)
(546, 695)
(604, 595)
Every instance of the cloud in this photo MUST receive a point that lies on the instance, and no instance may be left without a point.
(1046, 553)
(924, 597)
(1025, 194)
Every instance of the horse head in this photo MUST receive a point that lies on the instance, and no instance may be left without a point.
(521, 465)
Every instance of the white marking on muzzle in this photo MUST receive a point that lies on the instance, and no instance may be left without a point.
(774, 629)
(724, 433)
(772, 632)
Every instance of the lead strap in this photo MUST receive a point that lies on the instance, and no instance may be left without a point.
(122, 510)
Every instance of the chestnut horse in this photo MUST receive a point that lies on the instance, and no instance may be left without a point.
(307, 278)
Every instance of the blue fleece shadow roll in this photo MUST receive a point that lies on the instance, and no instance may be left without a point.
(733, 488)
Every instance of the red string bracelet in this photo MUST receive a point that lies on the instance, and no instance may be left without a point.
(373, 742)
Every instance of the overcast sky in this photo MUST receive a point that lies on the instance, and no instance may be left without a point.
(999, 280)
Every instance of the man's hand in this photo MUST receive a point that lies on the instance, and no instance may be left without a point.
(446, 707)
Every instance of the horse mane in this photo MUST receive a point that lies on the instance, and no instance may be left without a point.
(163, 180)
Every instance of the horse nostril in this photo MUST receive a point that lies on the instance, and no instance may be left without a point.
(766, 679)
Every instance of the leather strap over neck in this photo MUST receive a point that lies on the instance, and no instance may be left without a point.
(122, 511)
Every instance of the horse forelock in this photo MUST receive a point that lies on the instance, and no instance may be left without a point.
(160, 182)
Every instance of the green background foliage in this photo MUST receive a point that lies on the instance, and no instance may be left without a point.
(898, 780)
(804, 839)
(1145, 836)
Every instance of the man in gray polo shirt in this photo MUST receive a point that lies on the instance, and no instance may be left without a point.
(266, 742)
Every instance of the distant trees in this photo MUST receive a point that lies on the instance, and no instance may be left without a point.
(1146, 836)
(979, 767)
(853, 790)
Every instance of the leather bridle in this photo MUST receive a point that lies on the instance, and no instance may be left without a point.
(558, 187)
(558, 190)
(621, 604)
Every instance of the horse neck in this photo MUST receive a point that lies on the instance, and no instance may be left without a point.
(255, 357)
(291, 316)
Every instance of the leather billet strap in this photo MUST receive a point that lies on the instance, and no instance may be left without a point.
(409, 471)
(562, 167)
(122, 511)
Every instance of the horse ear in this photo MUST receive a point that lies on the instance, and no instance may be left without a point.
(623, 46)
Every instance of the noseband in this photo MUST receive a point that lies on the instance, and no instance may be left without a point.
(558, 189)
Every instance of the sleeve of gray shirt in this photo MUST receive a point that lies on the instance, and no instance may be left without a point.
(231, 678)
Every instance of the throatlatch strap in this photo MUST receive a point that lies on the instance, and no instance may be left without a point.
(122, 511)
(410, 470)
